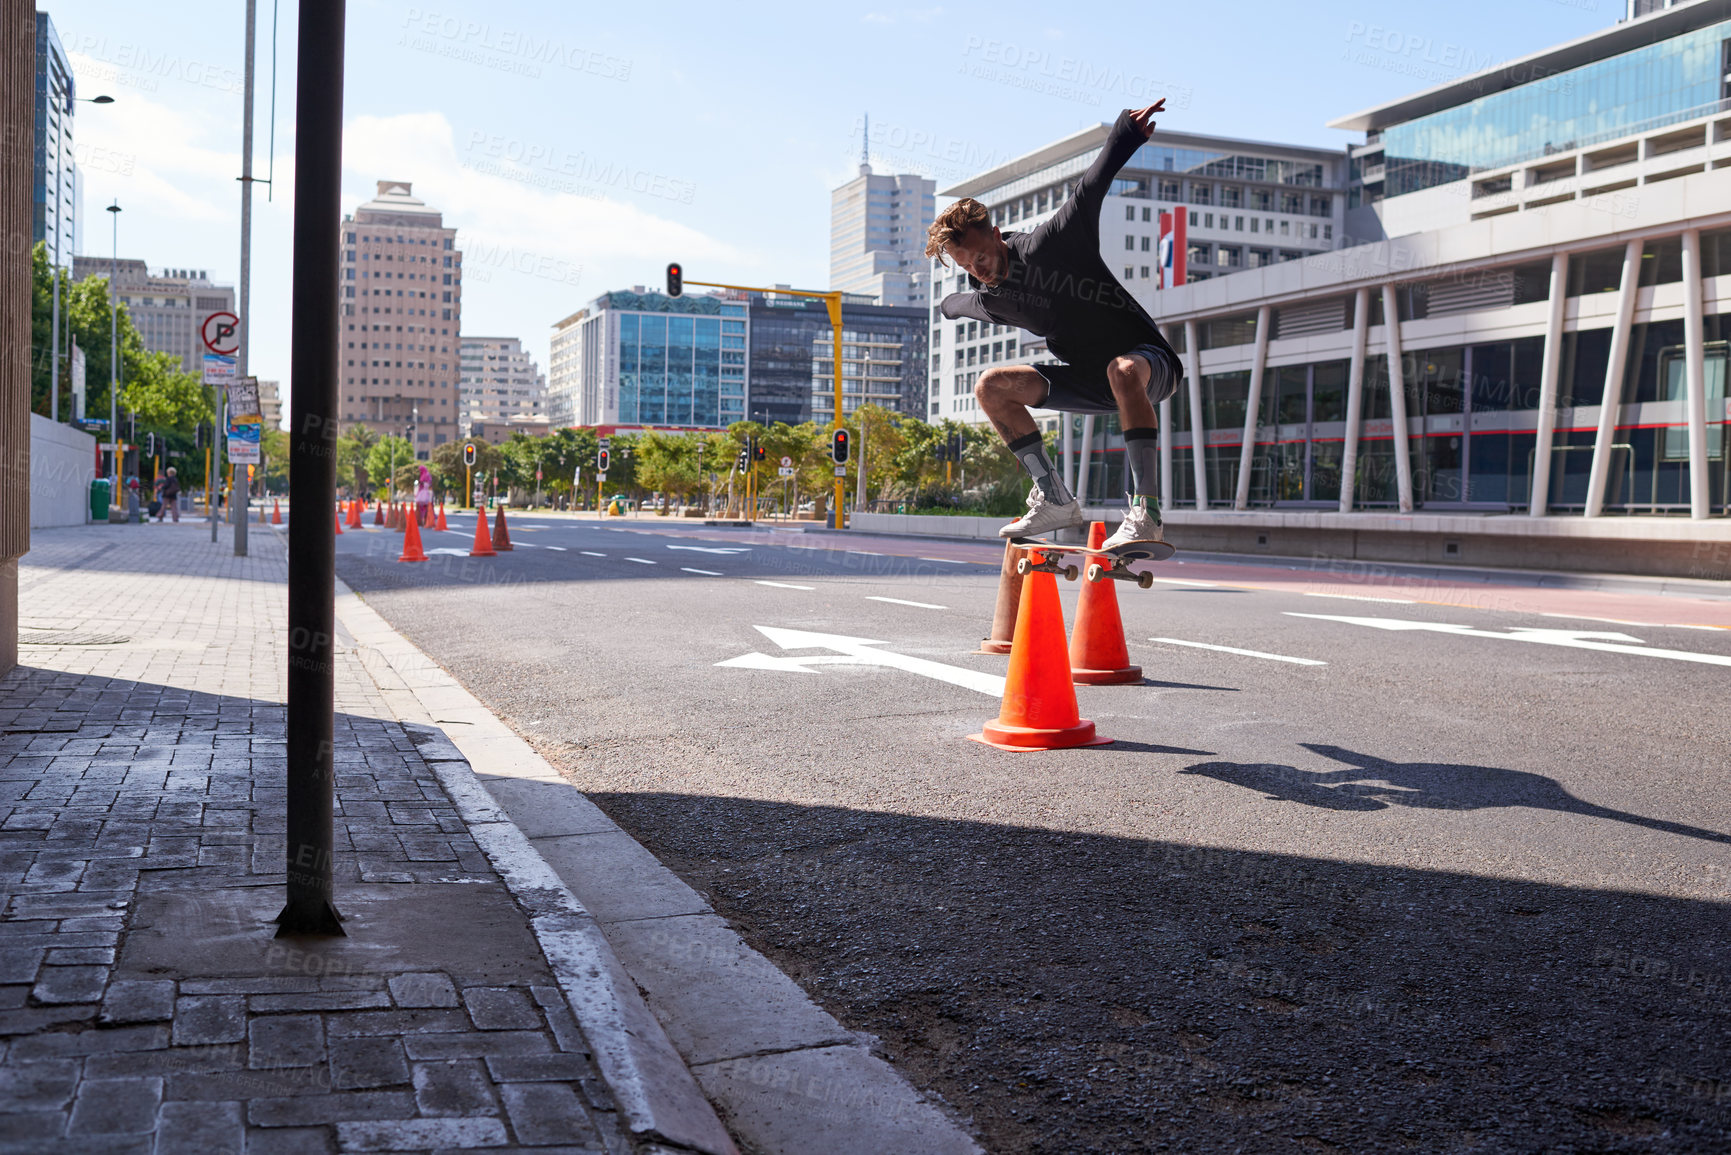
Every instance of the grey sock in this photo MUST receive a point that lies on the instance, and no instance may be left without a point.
(1031, 452)
(1142, 457)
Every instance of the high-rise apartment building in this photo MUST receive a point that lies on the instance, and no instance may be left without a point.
(402, 314)
(499, 382)
(54, 189)
(167, 307)
(877, 237)
(270, 403)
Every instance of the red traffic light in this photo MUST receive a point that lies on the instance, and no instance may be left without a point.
(601, 457)
(675, 280)
(838, 447)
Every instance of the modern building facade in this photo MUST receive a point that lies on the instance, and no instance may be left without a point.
(499, 382)
(54, 191)
(402, 315)
(640, 358)
(1536, 322)
(270, 403)
(877, 237)
(168, 307)
(1248, 205)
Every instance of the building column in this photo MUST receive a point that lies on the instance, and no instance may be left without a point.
(1164, 413)
(1247, 451)
(1695, 376)
(1193, 371)
(1611, 405)
(1540, 498)
(1397, 398)
(1069, 443)
(1085, 460)
(1354, 398)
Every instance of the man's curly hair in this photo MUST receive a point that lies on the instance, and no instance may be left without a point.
(954, 221)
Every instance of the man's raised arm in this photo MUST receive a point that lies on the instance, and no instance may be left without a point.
(1131, 131)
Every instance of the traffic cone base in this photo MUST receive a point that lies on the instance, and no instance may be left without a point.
(1039, 707)
(276, 512)
(1098, 655)
(501, 535)
(339, 531)
(378, 513)
(412, 550)
(483, 546)
(442, 527)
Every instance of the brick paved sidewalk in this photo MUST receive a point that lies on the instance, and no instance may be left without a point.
(144, 1006)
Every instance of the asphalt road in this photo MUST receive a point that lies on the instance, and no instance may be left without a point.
(1460, 884)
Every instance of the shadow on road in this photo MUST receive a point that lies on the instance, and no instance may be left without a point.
(1084, 993)
(1372, 783)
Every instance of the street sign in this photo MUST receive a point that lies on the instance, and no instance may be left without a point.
(244, 434)
(601, 477)
(469, 453)
(786, 462)
(221, 333)
(785, 471)
(841, 471)
(537, 475)
(243, 397)
(219, 369)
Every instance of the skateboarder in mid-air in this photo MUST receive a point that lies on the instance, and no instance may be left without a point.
(1053, 282)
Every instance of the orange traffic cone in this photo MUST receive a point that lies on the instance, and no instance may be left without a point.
(441, 527)
(339, 516)
(1098, 656)
(501, 535)
(1039, 710)
(412, 550)
(1004, 613)
(483, 546)
(378, 512)
(355, 513)
(275, 512)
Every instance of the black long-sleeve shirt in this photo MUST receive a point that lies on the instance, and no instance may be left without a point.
(1058, 285)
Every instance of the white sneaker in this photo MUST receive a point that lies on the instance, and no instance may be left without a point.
(1044, 517)
(1139, 525)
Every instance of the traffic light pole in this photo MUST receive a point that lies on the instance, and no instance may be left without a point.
(832, 302)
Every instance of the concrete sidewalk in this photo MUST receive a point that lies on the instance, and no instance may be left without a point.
(145, 1005)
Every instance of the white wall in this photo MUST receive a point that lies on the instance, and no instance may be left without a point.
(62, 465)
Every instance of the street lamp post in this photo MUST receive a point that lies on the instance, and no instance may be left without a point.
(59, 211)
(114, 468)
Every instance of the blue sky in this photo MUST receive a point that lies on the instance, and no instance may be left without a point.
(579, 148)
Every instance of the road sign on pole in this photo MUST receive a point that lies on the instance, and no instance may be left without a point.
(221, 333)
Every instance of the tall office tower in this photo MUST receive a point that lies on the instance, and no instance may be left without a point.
(500, 382)
(54, 187)
(168, 307)
(402, 313)
(877, 237)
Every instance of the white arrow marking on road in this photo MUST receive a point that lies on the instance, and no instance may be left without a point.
(1239, 652)
(1573, 639)
(858, 652)
(712, 549)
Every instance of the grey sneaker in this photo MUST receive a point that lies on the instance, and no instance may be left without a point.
(1139, 525)
(1044, 517)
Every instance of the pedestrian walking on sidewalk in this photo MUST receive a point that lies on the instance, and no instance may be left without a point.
(423, 497)
(168, 494)
(1052, 281)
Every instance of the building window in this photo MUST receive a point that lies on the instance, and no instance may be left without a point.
(1193, 218)
(1129, 273)
(1238, 224)
(1144, 244)
(1129, 212)
(1144, 272)
(1328, 232)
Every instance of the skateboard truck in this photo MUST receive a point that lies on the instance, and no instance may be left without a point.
(1026, 565)
(1113, 564)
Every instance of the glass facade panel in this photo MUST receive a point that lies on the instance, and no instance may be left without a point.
(1674, 80)
(1328, 393)
(1224, 396)
(652, 370)
(628, 375)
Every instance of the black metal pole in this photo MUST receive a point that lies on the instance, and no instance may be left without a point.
(312, 470)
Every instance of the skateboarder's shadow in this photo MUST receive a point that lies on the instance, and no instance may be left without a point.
(1370, 783)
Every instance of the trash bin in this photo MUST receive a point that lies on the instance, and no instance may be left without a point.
(99, 499)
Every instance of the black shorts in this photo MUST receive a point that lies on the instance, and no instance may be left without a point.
(1078, 389)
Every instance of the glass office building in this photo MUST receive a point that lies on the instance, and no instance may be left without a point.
(641, 358)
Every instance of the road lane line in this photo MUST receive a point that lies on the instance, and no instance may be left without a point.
(1242, 653)
(1362, 598)
(1627, 622)
(900, 602)
(704, 572)
(785, 586)
(590, 553)
(866, 552)
(640, 560)
(1573, 639)
(556, 548)
(1187, 582)
(944, 560)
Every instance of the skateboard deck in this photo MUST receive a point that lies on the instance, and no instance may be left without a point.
(1113, 564)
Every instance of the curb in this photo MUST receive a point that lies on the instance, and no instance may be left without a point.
(658, 1097)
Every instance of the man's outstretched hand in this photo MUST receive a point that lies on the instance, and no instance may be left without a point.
(1144, 117)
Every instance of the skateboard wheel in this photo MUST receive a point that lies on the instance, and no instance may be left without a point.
(1071, 573)
(1145, 580)
(1095, 573)
(1023, 565)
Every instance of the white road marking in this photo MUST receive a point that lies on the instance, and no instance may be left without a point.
(1362, 598)
(712, 549)
(555, 548)
(858, 652)
(640, 560)
(1626, 622)
(1187, 582)
(944, 560)
(704, 572)
(1242, 653)
(448, 550)
(1608, 643)
(785, 586)
(590, 553)
(866, 552)
(900, 602)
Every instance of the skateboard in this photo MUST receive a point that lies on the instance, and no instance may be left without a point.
(1118, 560)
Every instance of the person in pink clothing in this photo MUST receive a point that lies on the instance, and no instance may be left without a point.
(424, 496)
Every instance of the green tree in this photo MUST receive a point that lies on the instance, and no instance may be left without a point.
(449, 472)
(352, 448)
(386, 452)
